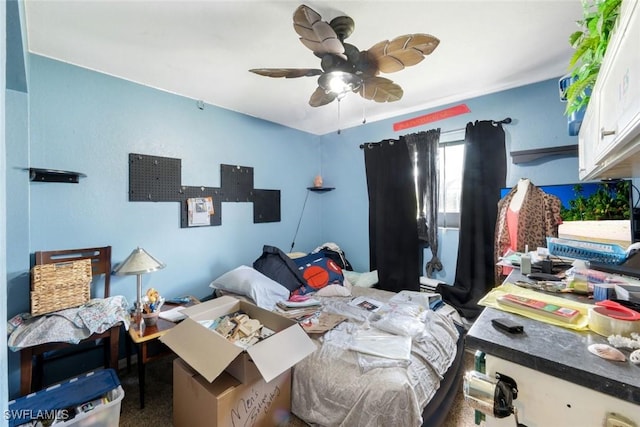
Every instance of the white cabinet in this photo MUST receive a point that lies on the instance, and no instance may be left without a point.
(609, 138)
(544, 400)
(589, 132)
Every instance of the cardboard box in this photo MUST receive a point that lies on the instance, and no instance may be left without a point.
(209, 353)
(227, 402)
(244, 369)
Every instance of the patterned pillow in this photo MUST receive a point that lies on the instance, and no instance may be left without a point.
(318, 271)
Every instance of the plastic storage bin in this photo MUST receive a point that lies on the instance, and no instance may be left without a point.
(93, 400)
(590, 251)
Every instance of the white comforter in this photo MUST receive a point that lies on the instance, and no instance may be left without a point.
(336, 386)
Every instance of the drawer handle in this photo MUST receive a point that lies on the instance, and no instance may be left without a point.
(604, 133)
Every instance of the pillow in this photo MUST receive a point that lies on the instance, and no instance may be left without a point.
(318, 271)
(334, 291)
(252, 284)
(276, 265)
(363, 280)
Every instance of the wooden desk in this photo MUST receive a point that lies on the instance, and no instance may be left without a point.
(150, 335)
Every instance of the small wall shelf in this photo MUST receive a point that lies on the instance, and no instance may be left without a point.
(52, 175)
(525, 156)
(320, 189)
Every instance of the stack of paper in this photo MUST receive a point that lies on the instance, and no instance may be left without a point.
(173, 315)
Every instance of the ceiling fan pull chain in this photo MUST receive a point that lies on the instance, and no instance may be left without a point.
(364, 113)
(338, 116)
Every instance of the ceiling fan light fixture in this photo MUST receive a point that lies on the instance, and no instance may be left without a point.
(339, 82)
(343, 67)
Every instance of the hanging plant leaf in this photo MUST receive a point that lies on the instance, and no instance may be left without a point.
(590, 44)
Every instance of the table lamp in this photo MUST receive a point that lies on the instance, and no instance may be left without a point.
(138, 262)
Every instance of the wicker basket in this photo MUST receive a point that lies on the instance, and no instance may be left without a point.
(58, 286)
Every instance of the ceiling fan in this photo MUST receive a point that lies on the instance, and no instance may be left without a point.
(344, 68)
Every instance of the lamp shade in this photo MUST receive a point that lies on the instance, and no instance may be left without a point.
(138, 262)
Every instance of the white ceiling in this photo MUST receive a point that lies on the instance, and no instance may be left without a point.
(203, 49)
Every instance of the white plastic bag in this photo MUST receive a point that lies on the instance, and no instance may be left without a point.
(379, 343)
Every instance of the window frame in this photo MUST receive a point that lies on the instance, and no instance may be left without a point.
(449, 139)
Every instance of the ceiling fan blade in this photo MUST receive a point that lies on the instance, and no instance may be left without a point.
(288, 73)
(320, 97)
(315, 33)
(380, 89)
(402, 52)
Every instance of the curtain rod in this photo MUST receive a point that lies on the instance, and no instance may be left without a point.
(504, 121)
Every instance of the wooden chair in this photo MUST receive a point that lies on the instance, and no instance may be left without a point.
(33, 358)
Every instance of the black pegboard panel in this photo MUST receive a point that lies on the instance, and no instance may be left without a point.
(158, 179)
(236, 183)
(192, 192)
(154, 179)
(266, 206)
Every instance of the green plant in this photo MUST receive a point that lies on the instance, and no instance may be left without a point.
(610, 201)
(590, 44)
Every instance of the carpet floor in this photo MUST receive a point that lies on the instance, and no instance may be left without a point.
(159, 394)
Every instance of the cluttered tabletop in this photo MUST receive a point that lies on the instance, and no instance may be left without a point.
(550, 328)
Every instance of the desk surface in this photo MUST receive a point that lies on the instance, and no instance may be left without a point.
(159, 329)
(556, 351)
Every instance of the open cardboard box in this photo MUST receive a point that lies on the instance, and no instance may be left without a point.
(227, 401)
(209, 353)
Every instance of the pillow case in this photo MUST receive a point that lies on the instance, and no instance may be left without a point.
(363, 280)
(251, 283)
(318, 271)
(277, 266)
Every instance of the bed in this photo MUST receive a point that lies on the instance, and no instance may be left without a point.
(337, 386)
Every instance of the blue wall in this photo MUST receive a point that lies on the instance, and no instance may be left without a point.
(85, 121)
(14, 209)
(4, 387)
(89, 122)
(17, 234)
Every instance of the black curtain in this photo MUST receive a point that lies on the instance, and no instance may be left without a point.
(393, 237)
(424, 146)
(484, 174)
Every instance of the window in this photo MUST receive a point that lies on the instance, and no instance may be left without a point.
(451, 156)
(451, 159)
